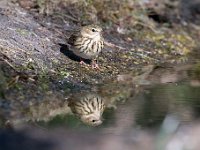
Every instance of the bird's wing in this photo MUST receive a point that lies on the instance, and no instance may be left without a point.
(73, 37)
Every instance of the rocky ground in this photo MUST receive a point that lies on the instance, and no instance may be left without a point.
(33, 44)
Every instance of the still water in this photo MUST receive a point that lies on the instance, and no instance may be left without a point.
(145, 109)
(114, 117)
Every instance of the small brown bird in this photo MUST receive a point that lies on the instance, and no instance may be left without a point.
(89, 108)
(87, 43)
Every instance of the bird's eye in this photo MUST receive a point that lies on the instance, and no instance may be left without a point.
(93, 120)
(93, 30)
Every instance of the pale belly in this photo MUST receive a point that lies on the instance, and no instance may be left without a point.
(88, 55)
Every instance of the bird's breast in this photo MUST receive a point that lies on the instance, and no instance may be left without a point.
(88, 48)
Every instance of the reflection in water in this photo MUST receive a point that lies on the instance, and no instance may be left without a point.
(89, 108)
(129, 114)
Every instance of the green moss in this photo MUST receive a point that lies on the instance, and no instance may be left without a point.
(175, 43)
(22, 31)
(64, 73)
(43, 82)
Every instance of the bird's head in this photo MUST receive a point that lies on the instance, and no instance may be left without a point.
(91, 31)
(93, 119)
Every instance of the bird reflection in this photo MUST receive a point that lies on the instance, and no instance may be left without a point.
(88, 107)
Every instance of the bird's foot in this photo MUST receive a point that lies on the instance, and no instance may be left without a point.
(95, 65)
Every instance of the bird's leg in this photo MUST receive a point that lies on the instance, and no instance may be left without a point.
(82, 62)
(94, 64)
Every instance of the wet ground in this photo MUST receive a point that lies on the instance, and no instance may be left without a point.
(145, 95)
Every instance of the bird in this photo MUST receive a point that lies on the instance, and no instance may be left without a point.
(87, 43)
(88, 107)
